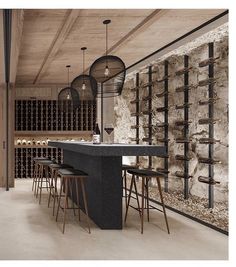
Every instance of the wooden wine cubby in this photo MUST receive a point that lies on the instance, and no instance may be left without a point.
(45, 115)
(37, 121)
(24, 155)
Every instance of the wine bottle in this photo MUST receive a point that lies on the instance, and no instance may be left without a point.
(96, 135)
(18, 142)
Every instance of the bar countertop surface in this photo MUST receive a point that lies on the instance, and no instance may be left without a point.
(116, 149)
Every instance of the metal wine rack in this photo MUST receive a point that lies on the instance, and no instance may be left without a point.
(210, 121)
(136, 113)
(185, 140)
(24, 155)
(148, 112)
(165, 124)
(45, 115)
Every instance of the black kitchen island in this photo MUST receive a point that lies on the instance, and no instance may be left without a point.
(103, 163)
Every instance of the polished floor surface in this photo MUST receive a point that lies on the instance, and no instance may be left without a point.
(28, 231)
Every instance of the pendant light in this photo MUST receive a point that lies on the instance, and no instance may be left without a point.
(68, 96)
(109, 71)
(86, 85)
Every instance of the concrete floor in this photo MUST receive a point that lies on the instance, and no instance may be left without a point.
(28, 231)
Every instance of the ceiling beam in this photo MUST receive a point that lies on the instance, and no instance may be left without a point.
(2, 65)
(138, 29)
(16, 36)
(60, 37)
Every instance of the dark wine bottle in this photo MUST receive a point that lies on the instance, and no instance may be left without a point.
(96, 135)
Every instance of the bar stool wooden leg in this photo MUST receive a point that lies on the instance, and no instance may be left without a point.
(65, 205)
(41, 185)
(59, 200)
(147, 197)
(131, 187)
(34, 177)
(77, 196)
(137, 198)
(142, 212)
(40, 178)
(51, 187)
(85, 202)
(71, 194)
(55, 192)
(125, 182)
(37, 179)
(163, 205)
(47, 177)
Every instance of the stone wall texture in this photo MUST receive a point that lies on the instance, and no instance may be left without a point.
(197, 51)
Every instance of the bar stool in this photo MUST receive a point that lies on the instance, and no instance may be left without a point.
(53, 192)
(68, 176)
(124, 169)
(43, 169)
(145, 175)
(36, 172)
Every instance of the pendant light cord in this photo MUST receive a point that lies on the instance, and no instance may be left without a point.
(106, 38)
(68, 75)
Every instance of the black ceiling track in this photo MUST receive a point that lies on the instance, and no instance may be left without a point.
(7, 19)
(181, 37)
(7, 14)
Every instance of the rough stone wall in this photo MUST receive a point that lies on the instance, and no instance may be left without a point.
(197, 51)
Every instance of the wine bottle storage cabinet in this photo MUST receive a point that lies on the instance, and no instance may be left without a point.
(46, 115)
(24, 164)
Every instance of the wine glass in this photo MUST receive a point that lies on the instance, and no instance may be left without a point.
(109, 128)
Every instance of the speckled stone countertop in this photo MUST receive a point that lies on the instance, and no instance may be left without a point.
(110, 149)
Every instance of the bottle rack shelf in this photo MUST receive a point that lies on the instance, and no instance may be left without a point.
(45, 115)
(210, 121)
(24, 164)
(185, 140)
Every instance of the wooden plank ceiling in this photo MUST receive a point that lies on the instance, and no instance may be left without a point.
(52, 39)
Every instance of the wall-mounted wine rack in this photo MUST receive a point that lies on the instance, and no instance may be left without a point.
(183, 124)
(185, 140)
(210, 121)
(148, 112)
(165, 124)
(24, 155)
(137, 113)
(45, 115)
